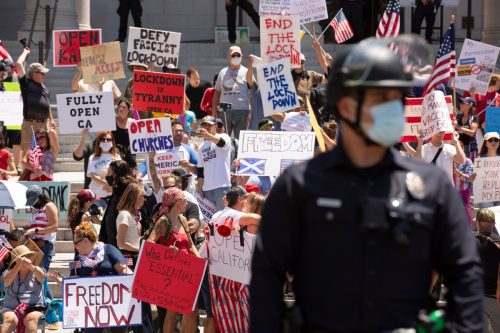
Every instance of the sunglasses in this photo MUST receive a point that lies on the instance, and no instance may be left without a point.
(492, 140)
(78, 241)
(107, 140)
(235, 55)
(41, 137)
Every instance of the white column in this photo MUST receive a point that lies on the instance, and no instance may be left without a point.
(65, 18)
(83, 13)
(491, 27)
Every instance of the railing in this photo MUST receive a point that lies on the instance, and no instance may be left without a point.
(49, 26)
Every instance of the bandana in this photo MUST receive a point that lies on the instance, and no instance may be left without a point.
(93, 258)
(170, 197)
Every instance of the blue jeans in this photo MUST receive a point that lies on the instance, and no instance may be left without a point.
(48, 253)
(235, 121)
(216, 196)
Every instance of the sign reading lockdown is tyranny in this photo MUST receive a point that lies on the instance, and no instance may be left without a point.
(276, 86)
(94, 111)
(157, 47)
(101, 301)
(159, 92)
(67, 43)
(150, 135)
(280, 38)
(102, 62)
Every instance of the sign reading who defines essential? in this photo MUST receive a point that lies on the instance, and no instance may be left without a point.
(92, 111)
(153, 46)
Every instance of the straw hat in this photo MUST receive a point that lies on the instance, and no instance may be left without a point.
(20, 252)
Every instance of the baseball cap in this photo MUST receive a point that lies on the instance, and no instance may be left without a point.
(208, 119)
(132, 64)
(180, 172)
(234, 49)
(37, 67)
(469, 100)
(252, 188)
(219, 121)
(85, 195)
(32, 194)
(302, 57)
(264, 123)
(490, 135)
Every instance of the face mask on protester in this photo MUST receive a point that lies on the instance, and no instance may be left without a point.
(106, 146)
(388, 123)
(236, 61)
(110, 180)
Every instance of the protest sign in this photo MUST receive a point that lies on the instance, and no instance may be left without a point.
(310, 10)
(166, 162)
(5, 219)
(159, 92)
(275, 7)
(150, 135)
(57, 191)
(280, 38)
(11, 108)
(206, 206)
(177, 277)
(413, 115)
(94, 111)
(229, 258)
(492, 120)
(263, 153)
(435, 115)
(475, 66)
(100, 301)
(157, 47)
(66, 45)
(295, 121)
(487, 183)
(277, 90)
(102, 62)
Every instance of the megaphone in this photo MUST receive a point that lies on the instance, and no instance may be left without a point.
(225, 229)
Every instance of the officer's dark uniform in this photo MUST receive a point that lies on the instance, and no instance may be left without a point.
(361, 244)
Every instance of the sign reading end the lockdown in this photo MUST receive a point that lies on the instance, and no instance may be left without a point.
(67, 43)
(159, 92)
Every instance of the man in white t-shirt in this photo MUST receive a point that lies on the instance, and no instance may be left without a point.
(440, 153)
(214, 163)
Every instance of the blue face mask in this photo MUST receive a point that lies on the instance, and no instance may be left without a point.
(388, 123)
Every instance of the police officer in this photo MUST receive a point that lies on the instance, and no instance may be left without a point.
(361, 228)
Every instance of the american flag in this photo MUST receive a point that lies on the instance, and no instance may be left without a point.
(127, 261)
(5, 242)
(75, 264)
(4, 54)
(444, 68)
(4, 252)
(35, 153)
(389, 25)
(341, 27)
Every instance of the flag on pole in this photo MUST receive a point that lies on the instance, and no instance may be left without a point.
(4, 54)
(341, 27)
(444, 69)
(389, 24)
(4, 252)
(5, 242)
(35, 153)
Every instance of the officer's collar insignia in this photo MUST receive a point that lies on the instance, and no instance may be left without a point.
(415, 185)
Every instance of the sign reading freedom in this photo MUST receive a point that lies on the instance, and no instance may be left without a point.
(159, 92)
(67, 43)
(168, 279)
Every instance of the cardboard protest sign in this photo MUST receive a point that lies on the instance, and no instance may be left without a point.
(275, 7)
(100, 301)
(475, 66)
(280, 38)
(435, 115)
(413, 115)
(150, 135)
(206, 206)
(487, 183)
(59, 192)
(228, 258)
(264, 153)
(66, 45)
(295, 121)
(166, 162)
(492, 120)
(102, 62)
(11, 108)
(153, 46)
(5, 219)
(177, 277)
(94, 111)
(159, 92)
(310, 10)
(277, 90)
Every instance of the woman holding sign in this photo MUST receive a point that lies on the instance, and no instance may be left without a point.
(490, 148)
(170, 229)
(121, 136)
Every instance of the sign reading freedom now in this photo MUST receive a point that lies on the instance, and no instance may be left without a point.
(159, 92)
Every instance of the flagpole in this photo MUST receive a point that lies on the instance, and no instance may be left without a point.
(452, 19)
(310, 34)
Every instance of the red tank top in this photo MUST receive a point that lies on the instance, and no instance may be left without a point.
(179, 240)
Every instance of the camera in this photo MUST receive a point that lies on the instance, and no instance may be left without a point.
(225, 106)
(94, 210)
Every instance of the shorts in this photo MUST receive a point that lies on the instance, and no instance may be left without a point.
(28, 127)
(13, 138)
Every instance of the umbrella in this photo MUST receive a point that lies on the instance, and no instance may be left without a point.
(12, 194)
